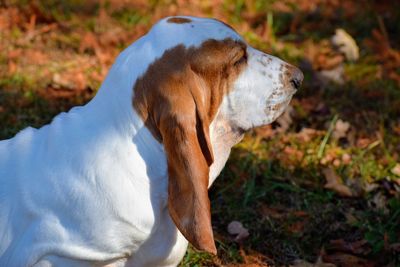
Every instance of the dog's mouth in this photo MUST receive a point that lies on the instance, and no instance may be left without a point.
(276, 106)
(281, 99)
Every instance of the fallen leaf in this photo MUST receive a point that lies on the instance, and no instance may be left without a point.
(237, 228)
(14, 54)
(70, 81)
(347, 260)
(88, 42)
(265, 131)
(272, 212)
(300, 213)
(251, 259)
(36, 57)
(12, 67)
(335, 183)
(346, 159)
(297, 227)
(363, 142)
(307, 134)
(332, 75)
(350, 218)
(396, 169)
(336, 163)
(319, 263)
(346, 44)
(341, 129)
(357, 247)
(396, 129)
(293, 152)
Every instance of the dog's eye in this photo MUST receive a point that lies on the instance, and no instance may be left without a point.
(241, 60)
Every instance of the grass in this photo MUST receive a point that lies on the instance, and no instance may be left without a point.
(273, 182)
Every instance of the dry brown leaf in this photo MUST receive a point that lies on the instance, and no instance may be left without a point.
(70, 80)
(347, 260)
(237, 228)
(319, 263)
(332, 75)
(36, 57)
(359, 247)
(346, 159)
(307, 134)
(310, 104)
(396, 129)
(335, 183)
(293, 152)
(350, 218)
(88, 42)
(297, 227)
(272, 212)
(346, 44)
(300, 213)
(12, 67)
(328, 61)
(363, 142)
(341, 129)
(396, 169)
(265, 131)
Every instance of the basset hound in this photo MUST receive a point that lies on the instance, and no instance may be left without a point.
(123, 180)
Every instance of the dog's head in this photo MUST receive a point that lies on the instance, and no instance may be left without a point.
(204, 71)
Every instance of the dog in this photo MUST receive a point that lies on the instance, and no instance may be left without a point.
(123, 180)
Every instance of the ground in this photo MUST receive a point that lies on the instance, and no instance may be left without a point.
(320, 186)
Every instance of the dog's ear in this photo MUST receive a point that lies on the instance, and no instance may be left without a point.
(184, 129)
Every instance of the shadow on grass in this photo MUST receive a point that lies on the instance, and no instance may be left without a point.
(290, 216)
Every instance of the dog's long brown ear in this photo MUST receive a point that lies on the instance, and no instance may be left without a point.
(184, 129)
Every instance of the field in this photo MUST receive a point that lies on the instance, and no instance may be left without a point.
(321, 185)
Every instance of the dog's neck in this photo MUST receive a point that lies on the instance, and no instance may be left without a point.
(119, 114)
(223, 137)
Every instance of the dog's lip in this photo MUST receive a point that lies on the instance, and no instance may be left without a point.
(281, 99)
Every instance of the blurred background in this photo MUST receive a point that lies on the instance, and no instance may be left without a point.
(319, 186)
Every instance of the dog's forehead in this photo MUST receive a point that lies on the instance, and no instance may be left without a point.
(190, 31)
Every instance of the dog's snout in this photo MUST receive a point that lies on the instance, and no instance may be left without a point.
(295, 77)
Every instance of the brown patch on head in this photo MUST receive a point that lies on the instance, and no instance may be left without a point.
(179, 20)
(177, 98)
(209, 70)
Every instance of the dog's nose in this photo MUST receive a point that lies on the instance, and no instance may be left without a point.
(296, 77)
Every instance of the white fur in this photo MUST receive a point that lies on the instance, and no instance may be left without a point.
(91, 187)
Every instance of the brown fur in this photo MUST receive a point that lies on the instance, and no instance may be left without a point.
(177, 98)
(179, 20)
